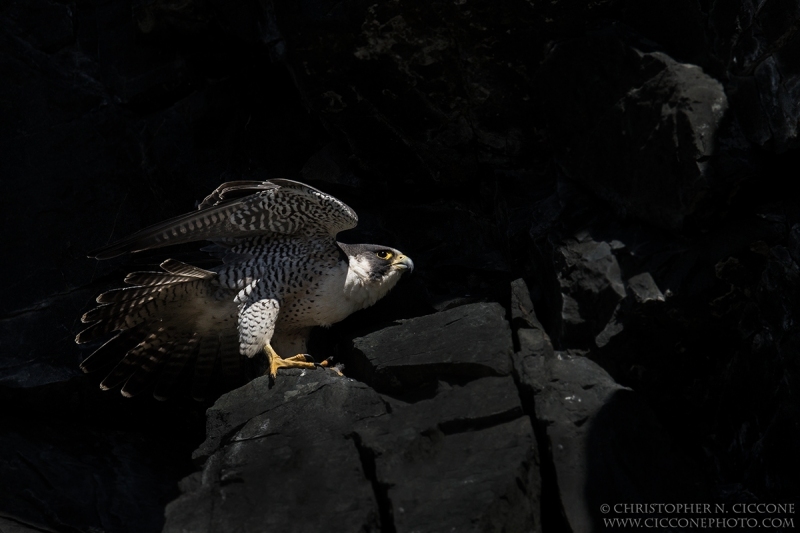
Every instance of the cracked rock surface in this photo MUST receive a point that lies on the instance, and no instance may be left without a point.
(463, 460)
(598, 199)
(286, 447)
(462, 457)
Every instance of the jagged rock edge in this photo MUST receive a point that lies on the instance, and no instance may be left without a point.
(379, 490)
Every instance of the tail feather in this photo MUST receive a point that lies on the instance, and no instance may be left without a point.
(148, 303)
(99, 330)
(117, 311)
(133, 360)
(159, 302)
(144, 376)
(108, 353)
(149, 279)
(118, 318)
(182, 269)
(160, 325)
(125, 295)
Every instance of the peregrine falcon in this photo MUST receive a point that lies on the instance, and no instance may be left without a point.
(282, 273)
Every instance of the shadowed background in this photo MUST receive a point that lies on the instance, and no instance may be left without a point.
(629, 167)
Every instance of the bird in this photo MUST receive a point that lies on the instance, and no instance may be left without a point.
(282, 272)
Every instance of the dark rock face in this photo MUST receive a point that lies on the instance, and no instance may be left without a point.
(666, 116)
(589, 277)
(467, 342)
(606, 444)
(464, 458)
(761, 48)
(596, 197)
(463, 490)
(271, 449)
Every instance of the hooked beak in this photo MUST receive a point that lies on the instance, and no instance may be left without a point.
(403, 263)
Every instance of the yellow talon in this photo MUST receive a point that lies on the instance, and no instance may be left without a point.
(296, 361)
(276, 361)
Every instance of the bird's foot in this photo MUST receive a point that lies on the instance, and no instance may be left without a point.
(296, 361)
(301, 360)
(302, 357)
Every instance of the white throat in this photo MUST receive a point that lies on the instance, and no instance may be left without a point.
(363, 291)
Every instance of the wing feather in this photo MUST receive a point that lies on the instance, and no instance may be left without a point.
(244, 209)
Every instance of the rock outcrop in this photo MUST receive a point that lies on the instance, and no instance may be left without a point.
(461, 455)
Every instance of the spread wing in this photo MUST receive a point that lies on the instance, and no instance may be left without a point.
(244, 209)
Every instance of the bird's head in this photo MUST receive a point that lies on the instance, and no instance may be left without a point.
(373, 270)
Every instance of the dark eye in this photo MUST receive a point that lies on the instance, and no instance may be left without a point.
(384, 254)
